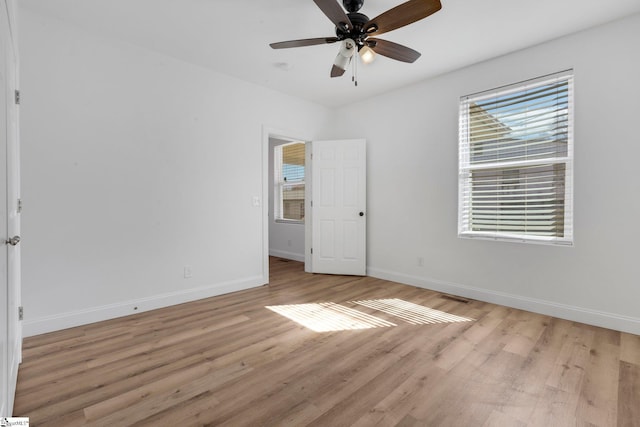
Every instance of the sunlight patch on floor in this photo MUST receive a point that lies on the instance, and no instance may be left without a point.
(412, 313)
(329, 316)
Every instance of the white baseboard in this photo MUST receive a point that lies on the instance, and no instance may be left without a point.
(286, 255)
(564, 311)
(96, 314)
(14, 363)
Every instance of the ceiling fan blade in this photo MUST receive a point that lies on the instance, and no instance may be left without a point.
(404, 14)
(334, 12)
(304, 42)
(393, 50)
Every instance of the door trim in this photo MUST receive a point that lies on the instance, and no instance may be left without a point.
(272, 132)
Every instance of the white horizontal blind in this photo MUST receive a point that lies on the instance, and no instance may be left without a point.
(289, 181)
(516, 162)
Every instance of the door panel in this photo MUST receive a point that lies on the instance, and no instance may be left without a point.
(327, 236)
(351, 187)
(350, 237)
(338, 230)
(326, 187)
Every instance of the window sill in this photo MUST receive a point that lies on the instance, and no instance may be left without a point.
(290, 221)
(516, 239)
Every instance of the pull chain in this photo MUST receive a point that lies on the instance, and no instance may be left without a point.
(354, 70)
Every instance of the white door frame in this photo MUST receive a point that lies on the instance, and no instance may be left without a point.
(267, 133)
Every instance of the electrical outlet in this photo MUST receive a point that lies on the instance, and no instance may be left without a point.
(188, 272)
(420, 262)
(255, 201)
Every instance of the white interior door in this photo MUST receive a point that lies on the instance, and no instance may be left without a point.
(10, 328)
(4, 289)
(339, 199)
(13, 228)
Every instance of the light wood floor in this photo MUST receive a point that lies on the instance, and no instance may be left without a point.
(230, 361)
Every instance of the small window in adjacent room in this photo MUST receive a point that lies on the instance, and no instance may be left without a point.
(516, 162)
(289, 178)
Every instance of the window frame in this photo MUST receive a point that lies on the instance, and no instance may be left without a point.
(466, 166)
(280, 184)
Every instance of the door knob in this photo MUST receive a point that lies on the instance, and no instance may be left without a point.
(13, 241)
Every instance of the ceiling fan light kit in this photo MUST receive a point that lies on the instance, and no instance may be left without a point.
(355, 30)
(367, 55)
(347, 49)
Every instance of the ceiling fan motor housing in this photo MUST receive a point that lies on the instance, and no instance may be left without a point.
(357, 33)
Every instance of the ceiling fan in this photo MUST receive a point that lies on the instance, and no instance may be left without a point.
(356, 31)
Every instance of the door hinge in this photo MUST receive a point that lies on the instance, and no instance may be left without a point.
(19, 206)
(311, 251)
(20, 313)
(17, 92)
(312, 203)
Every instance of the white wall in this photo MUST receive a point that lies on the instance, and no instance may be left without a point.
(286, 240)
(412, 139)
(134, 166)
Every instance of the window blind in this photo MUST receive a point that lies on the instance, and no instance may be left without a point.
(516, 161)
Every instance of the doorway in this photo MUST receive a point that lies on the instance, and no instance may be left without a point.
(298, 232)
(287, 198)
(339, 232)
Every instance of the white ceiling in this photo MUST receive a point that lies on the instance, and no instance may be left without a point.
(233, 36)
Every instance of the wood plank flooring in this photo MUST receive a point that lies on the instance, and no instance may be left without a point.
(230, 361)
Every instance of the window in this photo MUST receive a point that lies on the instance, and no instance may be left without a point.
(289, 168)
(516, 162)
